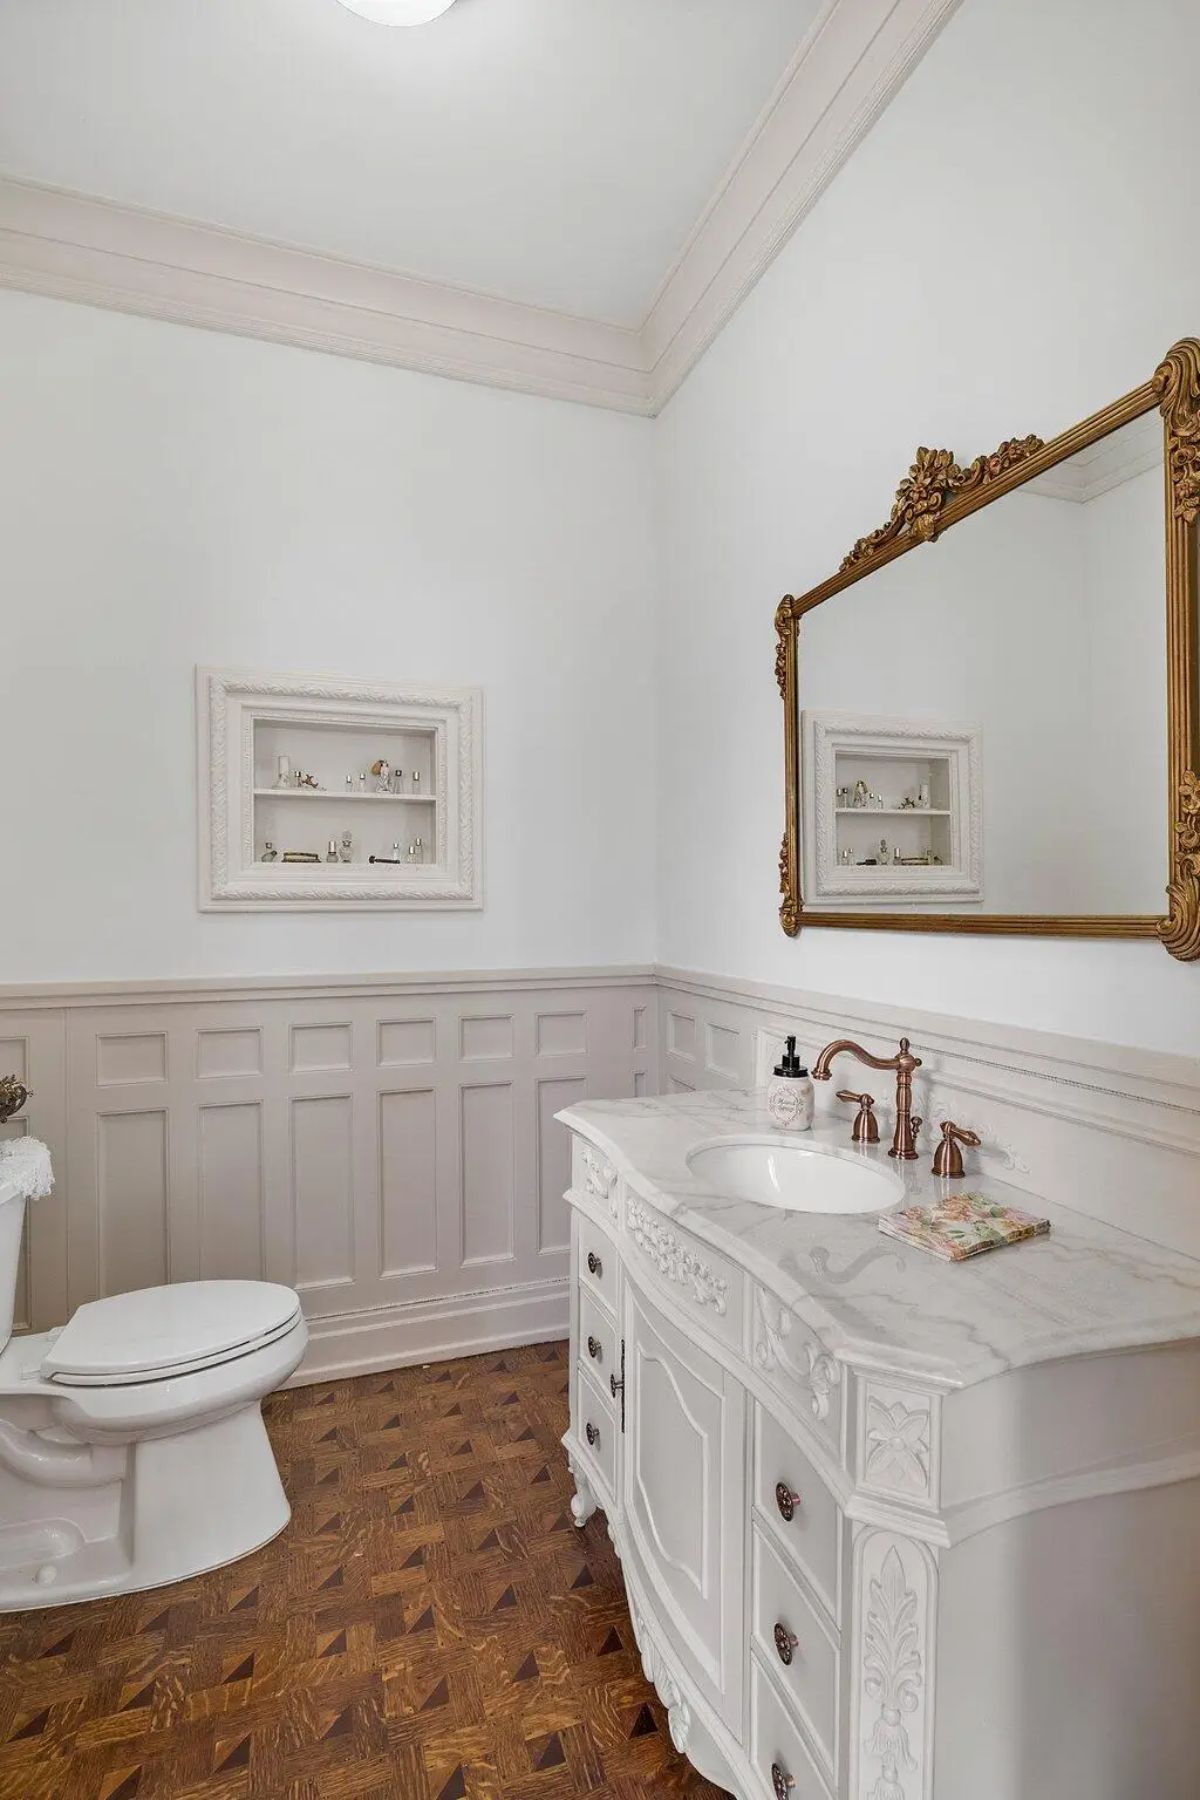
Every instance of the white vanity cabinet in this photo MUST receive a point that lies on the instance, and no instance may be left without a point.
(853, 1581)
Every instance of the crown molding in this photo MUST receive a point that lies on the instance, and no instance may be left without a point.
(1132, 450)
(83, 248)
(76, 247)
(857, 55)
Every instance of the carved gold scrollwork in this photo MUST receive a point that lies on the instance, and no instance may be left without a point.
(1180, 930)
(1178, 381)
(933, 479)
(785, 620)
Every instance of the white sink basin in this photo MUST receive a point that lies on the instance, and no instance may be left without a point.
(800, 1176)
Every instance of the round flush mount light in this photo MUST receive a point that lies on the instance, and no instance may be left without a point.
(399, 12)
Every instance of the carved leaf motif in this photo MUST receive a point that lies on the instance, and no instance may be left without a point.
(933, 479)
(1178, 381)
(818, 1373)
(674, 1260)
(1180, 930)
(785, 619)
(891, 1673)
(898, 1445)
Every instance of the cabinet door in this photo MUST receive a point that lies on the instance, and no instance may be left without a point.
(685, 1496)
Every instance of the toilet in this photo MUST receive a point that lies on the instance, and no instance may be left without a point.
(132, 1445)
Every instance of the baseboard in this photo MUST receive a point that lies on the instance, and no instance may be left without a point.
(360, 1343)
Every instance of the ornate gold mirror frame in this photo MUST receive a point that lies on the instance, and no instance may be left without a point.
(936, 494)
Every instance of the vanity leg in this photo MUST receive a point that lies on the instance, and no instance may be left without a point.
(584, 1503)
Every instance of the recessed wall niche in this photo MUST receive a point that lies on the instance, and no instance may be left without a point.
(321, 792)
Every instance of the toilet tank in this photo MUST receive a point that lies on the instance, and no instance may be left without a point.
(12, 1218)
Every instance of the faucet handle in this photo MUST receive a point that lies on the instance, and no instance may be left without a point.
(866, 1126)
(947, 1158)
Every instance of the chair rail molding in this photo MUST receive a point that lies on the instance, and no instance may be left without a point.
(854, 59)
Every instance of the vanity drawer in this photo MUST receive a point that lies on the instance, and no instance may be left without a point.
(807, 1668)
(777, 1748)
(596, 1262)
(597, 1417)
(785, 1481)
(599, 1350)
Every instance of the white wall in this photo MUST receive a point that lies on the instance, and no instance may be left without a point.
(1004, 254)
(171, 497)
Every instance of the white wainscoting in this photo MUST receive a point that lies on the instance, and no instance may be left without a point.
(1112, 1131)
(388, 1146)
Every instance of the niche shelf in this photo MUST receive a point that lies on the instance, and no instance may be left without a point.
(333, 730)
(933, 851)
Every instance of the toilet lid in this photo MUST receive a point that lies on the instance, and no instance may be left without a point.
(157, 1331)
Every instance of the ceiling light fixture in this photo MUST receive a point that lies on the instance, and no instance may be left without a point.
(399, 12)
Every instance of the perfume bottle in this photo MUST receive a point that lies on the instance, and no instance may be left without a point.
(331, 855)
(416, 787)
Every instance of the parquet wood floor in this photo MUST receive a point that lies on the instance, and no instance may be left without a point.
(431, 1626)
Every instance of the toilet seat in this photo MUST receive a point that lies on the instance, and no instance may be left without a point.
(156, 1333)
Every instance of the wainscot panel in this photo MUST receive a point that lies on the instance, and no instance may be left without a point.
(387, 1145)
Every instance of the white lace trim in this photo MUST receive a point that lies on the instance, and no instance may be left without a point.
(25, 1162)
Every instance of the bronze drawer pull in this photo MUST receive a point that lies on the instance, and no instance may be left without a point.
(787, 1501)
(595, 1266)
(594, 1349)
(785, 1643)
(592, 1435)
(615, 1385)
(781, 1782)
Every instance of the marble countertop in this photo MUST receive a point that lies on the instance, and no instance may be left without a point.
(1086, 1288)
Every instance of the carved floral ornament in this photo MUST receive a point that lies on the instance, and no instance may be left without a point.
(933, 486)
(933, 479)
(1177, 379)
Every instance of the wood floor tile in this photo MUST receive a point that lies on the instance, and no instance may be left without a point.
(430, 1626)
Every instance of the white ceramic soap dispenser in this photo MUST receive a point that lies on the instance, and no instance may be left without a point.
(790, 1095)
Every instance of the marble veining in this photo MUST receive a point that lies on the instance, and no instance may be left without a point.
(1088, 1287)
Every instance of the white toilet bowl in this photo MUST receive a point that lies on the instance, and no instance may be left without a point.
(132, 1446)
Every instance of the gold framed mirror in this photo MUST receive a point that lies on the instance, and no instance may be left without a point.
(977, 731)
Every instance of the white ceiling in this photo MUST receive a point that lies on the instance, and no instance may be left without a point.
(554, 152)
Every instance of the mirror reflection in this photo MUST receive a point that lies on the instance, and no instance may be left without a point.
(983, 721)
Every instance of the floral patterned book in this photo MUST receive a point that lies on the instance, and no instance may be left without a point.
(962, 1225)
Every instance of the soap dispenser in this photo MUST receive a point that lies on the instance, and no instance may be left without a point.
(790, 1095)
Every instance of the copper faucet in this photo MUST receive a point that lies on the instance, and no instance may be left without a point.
(947, 1158)
(866, 1125)
(904, 1062)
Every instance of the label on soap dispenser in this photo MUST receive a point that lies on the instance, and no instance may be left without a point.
(790, 1103)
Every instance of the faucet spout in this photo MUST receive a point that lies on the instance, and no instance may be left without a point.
(904, 1062)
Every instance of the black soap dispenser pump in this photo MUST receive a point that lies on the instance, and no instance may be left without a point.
(790, 1095)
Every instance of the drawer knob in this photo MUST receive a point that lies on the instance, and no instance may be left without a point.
(615, 1385)
(785, 1643)
(787, 1501)
(595, 1266)
(591, 1434)
(782, 1782)
(594, 1349)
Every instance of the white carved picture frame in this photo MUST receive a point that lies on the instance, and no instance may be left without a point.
(231, 702)
(824, 735)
